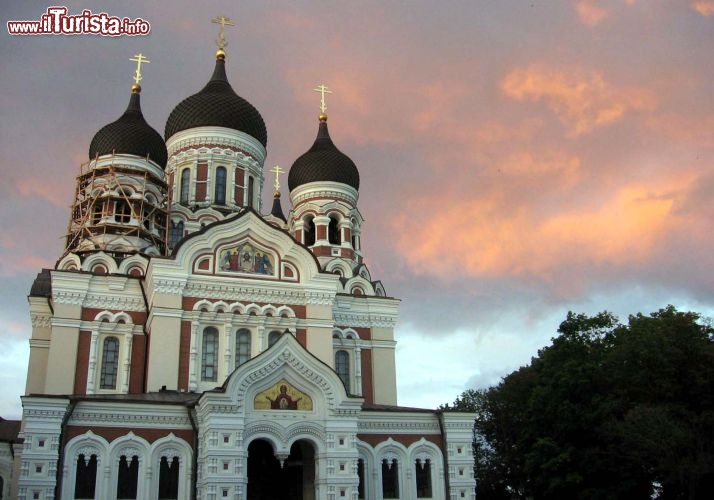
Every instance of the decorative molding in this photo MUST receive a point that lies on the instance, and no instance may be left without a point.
(331, 191)
(116, 418)
(400, 425)
(168, 285)
(257, 294)
(364, 320)
(40, 320)
(68, 297)
(103, 300)
(209, 138)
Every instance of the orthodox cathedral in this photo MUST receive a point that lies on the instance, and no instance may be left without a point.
(186, 345)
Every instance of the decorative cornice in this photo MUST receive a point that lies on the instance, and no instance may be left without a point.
(364, 320)
(167, 285)
(201, 137)
(322, 194)
(114, 302)
(74, 298)
(401, 425)
(116, 418)
(265, 294)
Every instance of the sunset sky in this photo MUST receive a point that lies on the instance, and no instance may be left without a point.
(518, 158)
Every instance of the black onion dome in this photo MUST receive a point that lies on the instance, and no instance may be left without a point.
(130, 134)
(217, 105)
(323, 162)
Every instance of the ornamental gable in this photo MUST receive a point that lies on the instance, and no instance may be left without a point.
(244, 247)
(282, 383)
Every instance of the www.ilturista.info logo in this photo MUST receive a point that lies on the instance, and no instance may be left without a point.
(57, 22)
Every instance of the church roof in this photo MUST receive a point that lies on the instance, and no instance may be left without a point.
(217, 105)
(130, 134)
(323, 162)
(9, 429)
(42, 286)
(277, 210)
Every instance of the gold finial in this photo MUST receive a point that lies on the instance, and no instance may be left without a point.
(277, 171)
(322, 89)
(138, 58)
(221, 42)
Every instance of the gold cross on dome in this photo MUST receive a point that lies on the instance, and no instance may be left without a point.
(322, 89)
(277, 170)
(138, 58)
(223, 21)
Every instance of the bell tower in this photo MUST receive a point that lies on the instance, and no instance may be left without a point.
(216, 143)
(120, 198)
(324, 189)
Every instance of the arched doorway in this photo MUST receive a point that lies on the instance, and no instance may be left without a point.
(267, 480)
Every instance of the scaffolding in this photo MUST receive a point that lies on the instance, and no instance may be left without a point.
(112, 203)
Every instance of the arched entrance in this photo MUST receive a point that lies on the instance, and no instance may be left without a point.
(267, 480)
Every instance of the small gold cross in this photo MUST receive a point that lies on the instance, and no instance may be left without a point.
(138, 58)
(277, 170)
(322, 89)
(223, 21)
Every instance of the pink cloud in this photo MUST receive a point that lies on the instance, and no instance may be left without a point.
(582, 100)
(590, 13)
(684, 128)
(513, 234)
(703, 7)
(32, 188)
(14, 264)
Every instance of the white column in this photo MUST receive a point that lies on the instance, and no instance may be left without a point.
(227, 351)
(322, 220)
(127, 363)
(358, 371)
(91, 370)
(192, 378)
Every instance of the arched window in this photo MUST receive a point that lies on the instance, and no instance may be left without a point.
(220, 190)
(273, 337)
(86, 478)
(309, 231)
(185, 184)
(97, 212)
(175, 233)
(209, 355)
(390, 478)
(242, 346)
(110, 363)
(423, 478)
(251, 190)
(333, 232)
(168, 479)
(128, 477)
(342, 367)
(122, 212)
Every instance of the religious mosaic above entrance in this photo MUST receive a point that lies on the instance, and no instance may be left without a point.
(282, 396)
(246, 258)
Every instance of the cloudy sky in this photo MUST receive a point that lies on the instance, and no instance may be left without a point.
(519, 158)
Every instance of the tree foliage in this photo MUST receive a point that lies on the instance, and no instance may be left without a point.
(607, 411)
